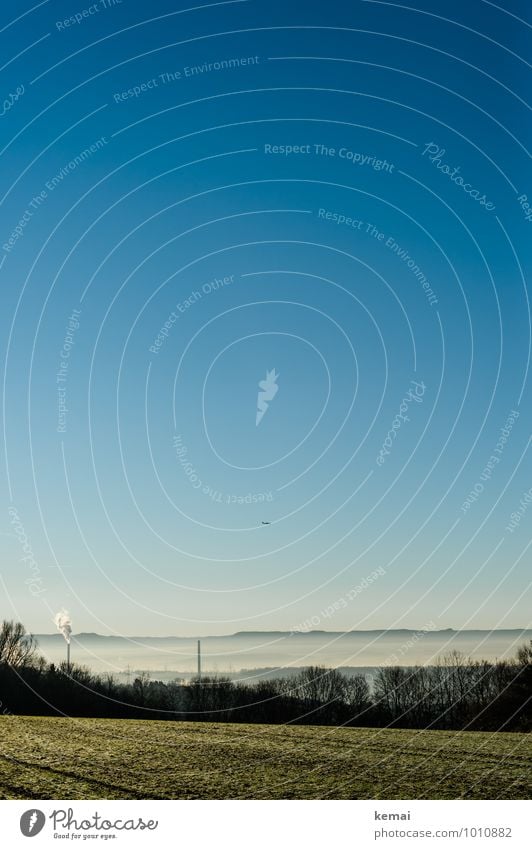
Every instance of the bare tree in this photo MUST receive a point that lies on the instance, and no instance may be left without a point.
(140, 687)
(320, 685)
(17, 648)
(357, 695)
(524, 654)
(390, 690)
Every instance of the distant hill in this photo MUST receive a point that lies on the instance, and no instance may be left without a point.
(278, 649)
(92, 635)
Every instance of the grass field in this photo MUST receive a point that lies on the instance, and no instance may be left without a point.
(52, 758)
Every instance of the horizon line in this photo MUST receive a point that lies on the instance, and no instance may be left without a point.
(288, 632)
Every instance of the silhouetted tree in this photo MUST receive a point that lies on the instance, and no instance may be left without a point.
(17, 648)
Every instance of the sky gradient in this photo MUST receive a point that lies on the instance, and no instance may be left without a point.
(194, 197)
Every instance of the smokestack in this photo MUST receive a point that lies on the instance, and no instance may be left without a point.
(199, 662)
(63, 623)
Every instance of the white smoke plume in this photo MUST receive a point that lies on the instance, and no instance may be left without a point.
(63, 623)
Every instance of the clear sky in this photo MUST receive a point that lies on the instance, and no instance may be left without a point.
(195, 197)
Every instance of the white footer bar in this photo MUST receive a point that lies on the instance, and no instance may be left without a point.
(267, 825)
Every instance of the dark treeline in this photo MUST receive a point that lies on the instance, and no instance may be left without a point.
(455, 693)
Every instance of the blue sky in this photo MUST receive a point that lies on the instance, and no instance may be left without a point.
(234, 219)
